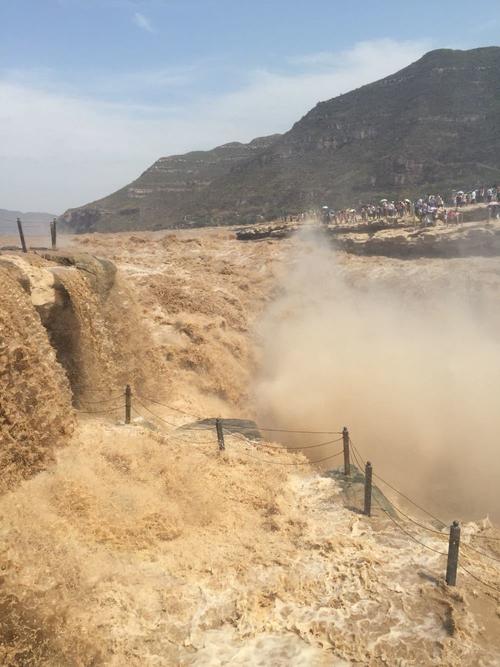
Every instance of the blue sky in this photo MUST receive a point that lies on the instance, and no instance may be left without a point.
(93, 91)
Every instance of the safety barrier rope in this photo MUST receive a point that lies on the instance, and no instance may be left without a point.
(482, 553)
(396, 523)
(92, 389)
(422, 544)
(417, 523)
(393, 488)
(432, 530)
(108, 411)
(139, 398)
(294, 449)
(286, 463)
(180, 436)
(481, 581)
(169, 407)
(287, 430)
(242, 428)
(485, 537)
(104, 400)
(238, 436)
(145, 407)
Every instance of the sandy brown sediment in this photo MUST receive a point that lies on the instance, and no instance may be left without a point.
(158, 549)
(200, 296)
(149, 547)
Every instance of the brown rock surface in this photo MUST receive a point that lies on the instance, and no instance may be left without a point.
(465, 240)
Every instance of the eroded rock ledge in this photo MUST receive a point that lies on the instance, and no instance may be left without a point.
(467, 240)
(399, 240)
(41, 353)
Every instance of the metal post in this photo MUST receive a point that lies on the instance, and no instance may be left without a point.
(21, 235)
(347, 463)
(453, 549)
(220, 434)
(53, 233)
(128, 403)
(368, 488)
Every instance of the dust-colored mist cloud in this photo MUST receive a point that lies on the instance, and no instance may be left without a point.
(406, 354)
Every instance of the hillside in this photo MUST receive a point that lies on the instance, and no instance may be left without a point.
(163, 195)
(435, 125)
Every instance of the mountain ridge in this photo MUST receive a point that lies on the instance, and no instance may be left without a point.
(165, 184)
(35, 219)
(432, 126)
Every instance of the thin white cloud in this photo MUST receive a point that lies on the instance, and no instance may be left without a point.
(110, 83)
(273, 102)
(360, 54)
(143, 22)
(59, 150)
(143, 80)
(313, 59)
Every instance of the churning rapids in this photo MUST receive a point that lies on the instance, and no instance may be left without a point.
(142, 544)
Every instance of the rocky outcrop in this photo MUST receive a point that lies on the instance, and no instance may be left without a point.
(168, 194)
(83, 220)
(467, 240)
(100, 272)
(271, 231)
(398, 238)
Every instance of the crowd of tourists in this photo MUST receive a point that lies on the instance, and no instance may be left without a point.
(427, 210)
(482, 195)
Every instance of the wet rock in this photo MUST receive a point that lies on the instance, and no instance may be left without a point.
(276, 231)
(468, 240)
(100, 272)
